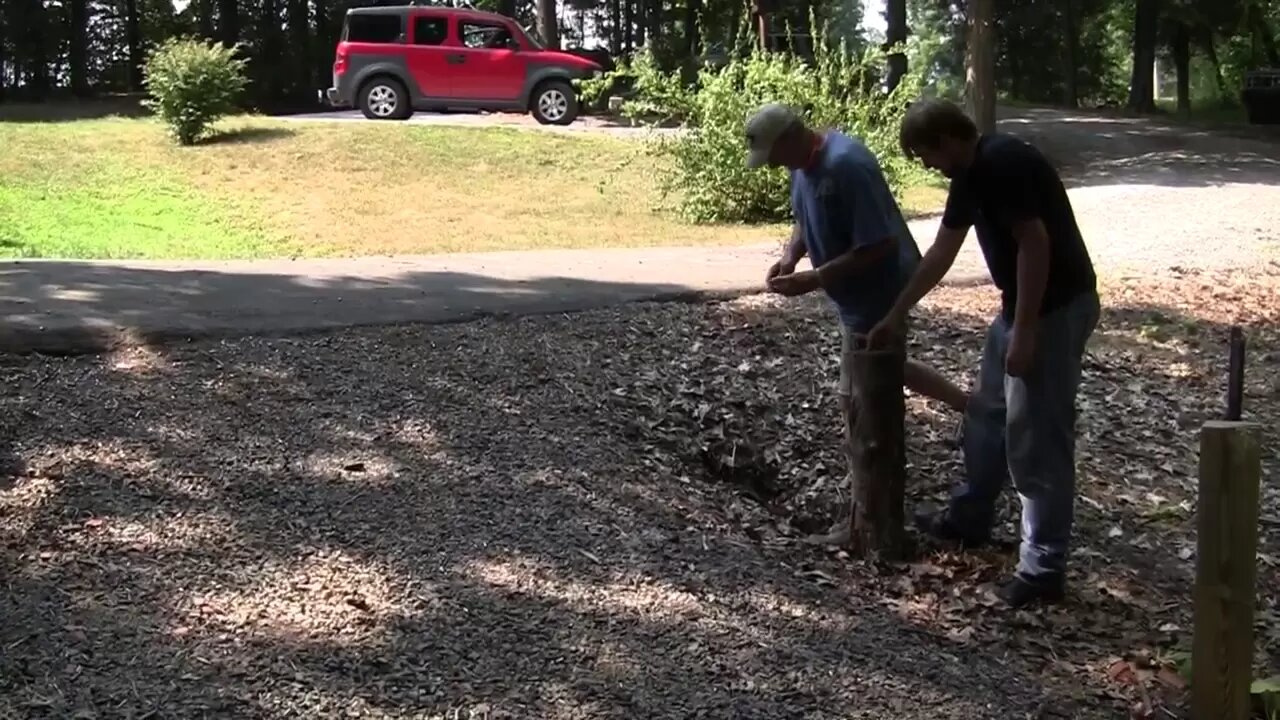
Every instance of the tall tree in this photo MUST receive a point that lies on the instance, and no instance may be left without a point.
(895, 16)
(1070, 52)
(78, 46)
(1146, 22)
(548, 26)
(228, 22)
(1181, 47)
(980, 76)
(133, 43)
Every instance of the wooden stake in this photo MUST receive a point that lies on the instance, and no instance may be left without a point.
(878, 454)
(1227, 540)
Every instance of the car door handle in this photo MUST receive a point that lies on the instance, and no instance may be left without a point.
(457, 59)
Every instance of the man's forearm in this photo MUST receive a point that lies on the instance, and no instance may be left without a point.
(1033, 275)
(795, 247)
(933, 267)
(854, 262)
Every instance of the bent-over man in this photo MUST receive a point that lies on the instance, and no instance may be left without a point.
(850, 226)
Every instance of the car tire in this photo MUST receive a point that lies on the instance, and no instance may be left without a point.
(384, 98)
(554, 103)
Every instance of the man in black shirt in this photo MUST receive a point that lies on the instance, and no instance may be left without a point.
(1020, 420)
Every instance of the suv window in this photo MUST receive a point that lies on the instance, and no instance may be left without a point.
(484, 35)
(371, 28)
(430, 30)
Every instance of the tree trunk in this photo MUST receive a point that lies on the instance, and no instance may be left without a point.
(657, 16)
(642, 22)
(77, 47)
(1182, 63)
(877, 449)
(1070, 53)
(229, 22)
(692, 36)
(37, 44)
(133, 41)
(507, 7)
(325, 44)
(628, 25)
(4, 57)
(895, 15)
(1141, 85)
(980, 75)
(548, 27)
(300, 48)
(204, 18)
(1204, 38)
(614, 8)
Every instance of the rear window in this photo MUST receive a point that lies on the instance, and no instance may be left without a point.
(373, 28)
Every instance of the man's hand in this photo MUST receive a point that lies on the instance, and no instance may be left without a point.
(782, 267)
(795, 283)
(1021, 352)
(885, 331)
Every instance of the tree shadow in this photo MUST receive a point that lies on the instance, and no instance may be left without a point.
(74, 306)
(62, 110)
(247, 136)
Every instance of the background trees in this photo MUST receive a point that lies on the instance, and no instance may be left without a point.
(1063, 52)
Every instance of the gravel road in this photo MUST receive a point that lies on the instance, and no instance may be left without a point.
(1153, 197)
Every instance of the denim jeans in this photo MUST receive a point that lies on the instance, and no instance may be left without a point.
(1023, 428)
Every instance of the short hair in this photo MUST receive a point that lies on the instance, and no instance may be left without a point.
(928, 122)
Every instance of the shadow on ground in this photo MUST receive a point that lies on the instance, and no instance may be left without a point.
(509, 517)
(248, 136)
(64, 110)
(95, 306)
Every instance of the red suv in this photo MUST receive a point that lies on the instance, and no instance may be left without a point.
(394, 60)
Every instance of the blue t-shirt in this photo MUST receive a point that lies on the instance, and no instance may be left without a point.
(843, 201)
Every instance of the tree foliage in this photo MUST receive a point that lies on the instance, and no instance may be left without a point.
(1047, 51)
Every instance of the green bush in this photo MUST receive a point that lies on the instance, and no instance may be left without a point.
(834, 89)
(192, 84)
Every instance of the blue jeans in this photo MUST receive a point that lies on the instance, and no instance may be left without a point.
(1024, 428)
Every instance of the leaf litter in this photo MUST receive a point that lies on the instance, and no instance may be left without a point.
(591, 515)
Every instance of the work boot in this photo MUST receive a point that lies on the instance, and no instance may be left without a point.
(1020, 592)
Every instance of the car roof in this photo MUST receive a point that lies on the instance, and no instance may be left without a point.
(404, 8)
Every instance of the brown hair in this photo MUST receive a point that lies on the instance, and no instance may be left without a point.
(928, 122)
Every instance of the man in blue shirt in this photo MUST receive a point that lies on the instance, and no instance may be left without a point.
(1020, 421)
(850, 226)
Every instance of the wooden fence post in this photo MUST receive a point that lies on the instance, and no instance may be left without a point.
(879, 454)
(1227, 540)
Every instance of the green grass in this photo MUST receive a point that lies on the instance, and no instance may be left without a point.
(119, 188)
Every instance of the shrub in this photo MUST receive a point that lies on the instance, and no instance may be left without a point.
(192, 84)
(834, 89)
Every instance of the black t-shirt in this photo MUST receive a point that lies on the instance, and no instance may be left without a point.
(1008, 182)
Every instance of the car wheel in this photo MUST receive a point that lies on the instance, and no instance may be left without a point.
(385, 98)
(554, 103)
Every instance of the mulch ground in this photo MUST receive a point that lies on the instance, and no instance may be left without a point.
(590, 516)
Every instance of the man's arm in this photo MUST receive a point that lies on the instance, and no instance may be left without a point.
(795, 247)
(855, 261)
(933, 267)
(1033, 272)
